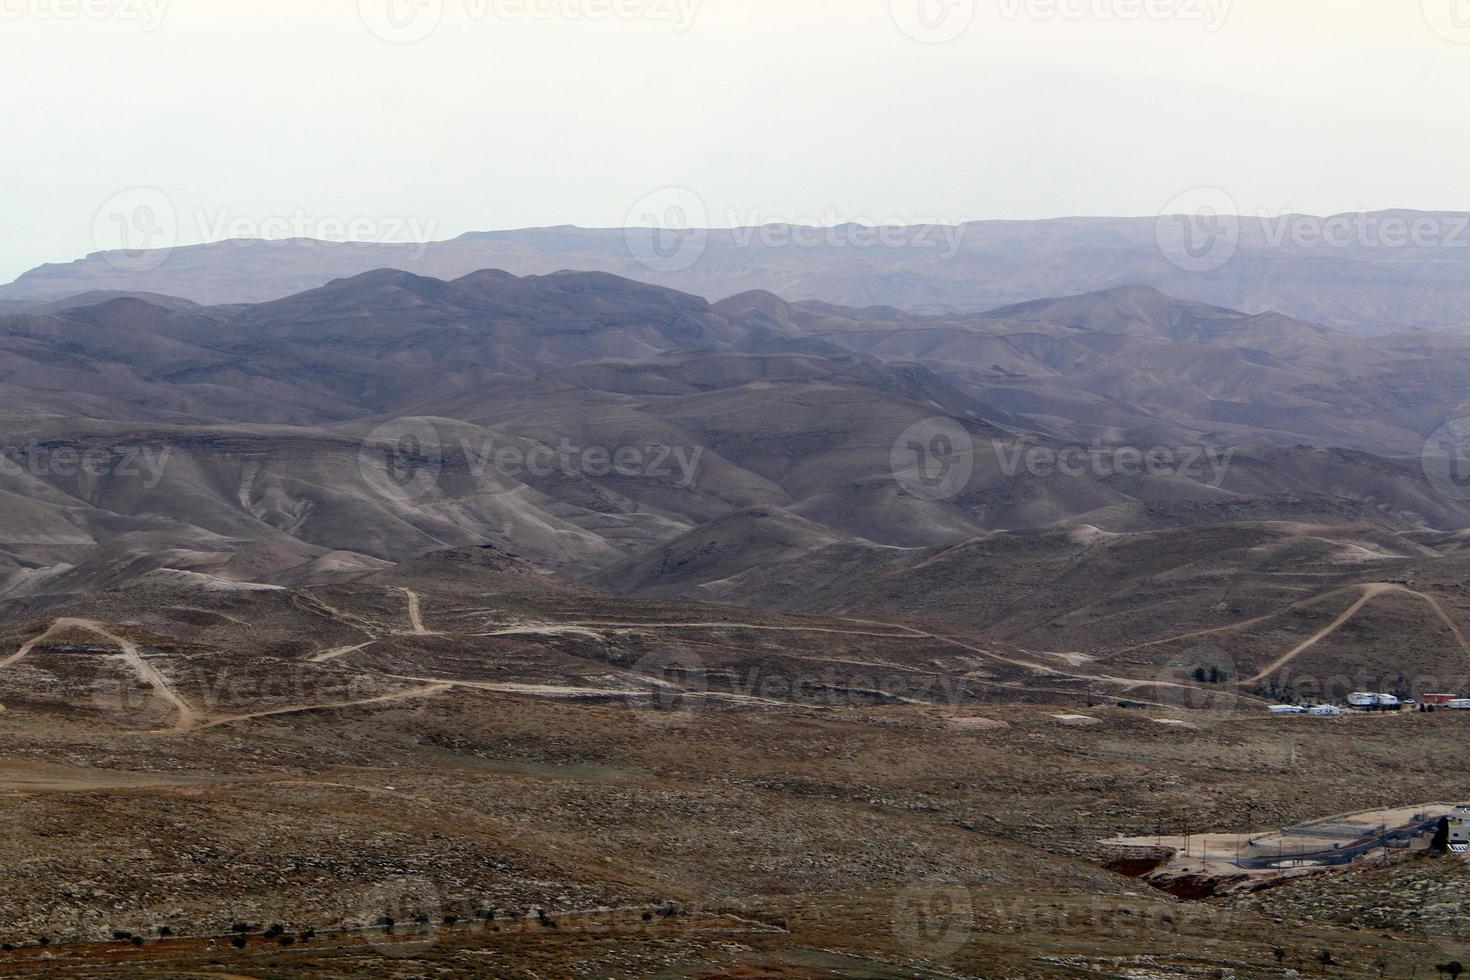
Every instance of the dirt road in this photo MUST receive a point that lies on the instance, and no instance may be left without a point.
(424, 692)
(185, 715)
(1371, 591)
(415, 618)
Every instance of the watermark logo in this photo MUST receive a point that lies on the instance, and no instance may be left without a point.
(1199, 230)
(1201, 464)
(933, 459)
(137, 692)
(136, 229)
(403, 458)
(676, 685)
(1202, 678)
(1445, 459)
(933, 921)
(400, 916)
(1211, 14)
(221, 225)
(143, 464)
(148, 14)
(933, 21)
(1450, 19)
(128, 703)
(416, 457)
(831, 230)
(401, 21)
(667, 230)
(411, 21)
(1369, 230)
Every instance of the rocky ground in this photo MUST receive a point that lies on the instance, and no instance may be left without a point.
(1425, 896)
(551, 802)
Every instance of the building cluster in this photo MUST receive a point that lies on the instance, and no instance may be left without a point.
(1371, 701)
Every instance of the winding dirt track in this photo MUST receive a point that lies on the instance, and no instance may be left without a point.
(1243, 624)
(908, 633)
(1371, 591)
(423, 692)
(329, 655)
(304, 600)
(186, 717)
(560, 691)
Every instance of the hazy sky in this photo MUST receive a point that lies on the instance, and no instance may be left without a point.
(258, 116)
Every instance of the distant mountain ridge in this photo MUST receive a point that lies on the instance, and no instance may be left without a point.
(1371, 282)
(388, 414)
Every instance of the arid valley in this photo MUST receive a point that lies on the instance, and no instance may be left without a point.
(671, 489)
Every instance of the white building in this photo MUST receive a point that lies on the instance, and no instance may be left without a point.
(1369, 700)
(1460, 829)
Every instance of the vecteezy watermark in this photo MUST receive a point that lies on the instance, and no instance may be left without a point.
(1202, 464)
(1201, 678)
(1199, 230)
(411, 21)
(674, 684)
(831, 230)
(1374, 230)
(149, 14)
(1450, 19)
(667, 230)
(221, 691)
(1211, 14)
(413, 457)
(400, 916)
(143, 463)
(129, 703)
(677, 686)
(933, 21)
(80, 470)
(214, 225)
(137, 229)
(933, 459)
(1104, 915)
(1445, 459)
(934, 921)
